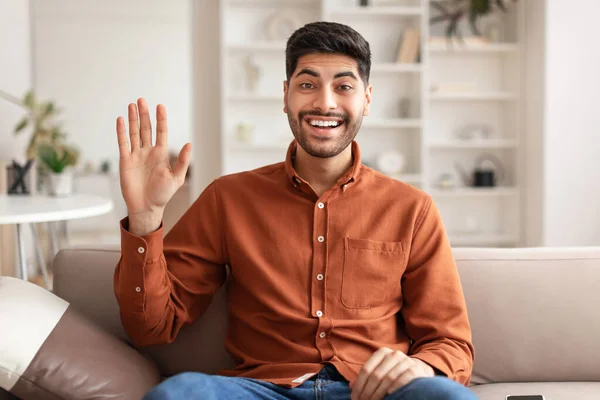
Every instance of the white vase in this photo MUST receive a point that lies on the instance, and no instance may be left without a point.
(60, 184)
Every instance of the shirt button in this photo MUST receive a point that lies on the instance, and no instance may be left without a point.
(320, 277)
(321, 205)
(321, 239)
(319, 313)
(138, 289)
(322, 335)
(141, 250)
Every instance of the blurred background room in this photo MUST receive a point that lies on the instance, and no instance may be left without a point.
(489, 106)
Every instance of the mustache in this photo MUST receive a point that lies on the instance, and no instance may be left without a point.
(303, 114)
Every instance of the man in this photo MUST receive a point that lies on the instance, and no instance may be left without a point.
(343, 283)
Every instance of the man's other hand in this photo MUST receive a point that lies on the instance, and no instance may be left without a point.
(387, 371)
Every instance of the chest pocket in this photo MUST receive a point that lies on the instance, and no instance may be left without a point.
(371, 273)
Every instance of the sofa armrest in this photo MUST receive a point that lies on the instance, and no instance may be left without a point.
(50, 351)
(83, 276)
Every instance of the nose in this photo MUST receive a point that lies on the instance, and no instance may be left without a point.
(325, 100)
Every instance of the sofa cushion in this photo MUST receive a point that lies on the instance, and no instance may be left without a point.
(533, 313)
(49, 351)
(551, 391)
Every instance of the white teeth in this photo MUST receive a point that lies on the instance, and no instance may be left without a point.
(324, 123)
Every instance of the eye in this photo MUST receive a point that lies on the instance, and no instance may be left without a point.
(345, 87)
(306, 85)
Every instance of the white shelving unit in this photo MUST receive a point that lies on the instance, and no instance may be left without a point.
(379, 11)
(476, 85)
(451, 90)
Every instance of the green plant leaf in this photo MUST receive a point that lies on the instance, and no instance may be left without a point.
(29, 100)
(22, 125)
(481, 7)
(49, 108)
(48, 155)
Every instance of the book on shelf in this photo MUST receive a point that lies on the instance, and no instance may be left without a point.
(408, 52)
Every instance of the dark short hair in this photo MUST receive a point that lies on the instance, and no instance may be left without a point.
(329, 38)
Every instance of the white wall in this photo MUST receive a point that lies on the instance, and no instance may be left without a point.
(572, 138)
(93, 58)
(15, 73)
(207, 101)
(15, 79)
(96, 56)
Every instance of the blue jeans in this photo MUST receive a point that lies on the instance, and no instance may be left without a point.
(327, 384)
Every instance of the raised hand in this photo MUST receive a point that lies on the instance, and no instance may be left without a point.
(147, 181)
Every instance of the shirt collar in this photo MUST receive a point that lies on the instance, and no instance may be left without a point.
(349, 176)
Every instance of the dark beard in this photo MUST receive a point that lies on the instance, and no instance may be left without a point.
(350, 130)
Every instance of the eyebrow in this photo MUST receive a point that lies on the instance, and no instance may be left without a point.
(349, 74)
(342, 74)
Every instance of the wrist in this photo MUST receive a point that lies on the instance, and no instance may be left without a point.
(144, 223)
(426, 368)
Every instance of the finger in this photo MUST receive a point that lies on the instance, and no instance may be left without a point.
(161, 126)
(366, 370)
(183, 161)
(134, 128)
(380, 377)
(122, 138)
(392, 375)
(404, 379)
(145, 124)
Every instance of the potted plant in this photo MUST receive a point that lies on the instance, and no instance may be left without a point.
(40, 116)
(47, 142)
(454, 11)
(57, 158)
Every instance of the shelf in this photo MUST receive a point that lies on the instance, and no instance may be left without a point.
(258, 45)
(475, 192)
(377, 11)
(491, 48)
(482, 239)
(473, 96)
(474, 144)
(255, 97)
(396, 67)
(391, 123)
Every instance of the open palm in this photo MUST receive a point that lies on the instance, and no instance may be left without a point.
(147, 181)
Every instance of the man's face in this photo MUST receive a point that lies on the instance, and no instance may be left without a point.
(325, 102)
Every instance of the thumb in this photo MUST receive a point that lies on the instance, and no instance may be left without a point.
(183, 161)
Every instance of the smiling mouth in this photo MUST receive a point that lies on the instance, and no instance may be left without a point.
(325, 124)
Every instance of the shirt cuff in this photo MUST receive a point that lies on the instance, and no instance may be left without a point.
(438, 367)
(146, 249)
(140, 255)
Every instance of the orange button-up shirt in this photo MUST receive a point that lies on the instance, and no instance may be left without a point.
(314, 280)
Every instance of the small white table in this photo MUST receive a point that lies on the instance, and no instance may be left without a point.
(21, 209)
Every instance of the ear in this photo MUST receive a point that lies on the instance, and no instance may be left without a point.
(285, 91)
(368, 99)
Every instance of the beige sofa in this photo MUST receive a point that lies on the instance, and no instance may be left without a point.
(533, 314)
